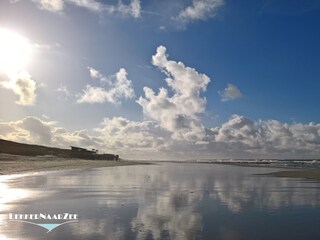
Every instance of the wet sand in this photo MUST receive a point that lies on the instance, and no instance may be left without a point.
(304, 173)
(311, 174)
(164, 201)
(10, 164)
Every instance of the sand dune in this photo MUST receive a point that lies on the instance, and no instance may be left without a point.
(15, 163)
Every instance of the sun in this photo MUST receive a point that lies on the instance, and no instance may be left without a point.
(15, 51)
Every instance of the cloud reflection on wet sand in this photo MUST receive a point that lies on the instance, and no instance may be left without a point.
(167, 201)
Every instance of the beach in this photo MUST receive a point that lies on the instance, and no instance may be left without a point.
(292, 169)
(10, 164)
(162, 201)
(310, 174)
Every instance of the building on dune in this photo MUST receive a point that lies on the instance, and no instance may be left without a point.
(93, 154)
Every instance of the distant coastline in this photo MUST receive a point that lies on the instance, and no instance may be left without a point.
(18, 157)
(15, 148)
(11, 164)
(294, 168)
(308, 174)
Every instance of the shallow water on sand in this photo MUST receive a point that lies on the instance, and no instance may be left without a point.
(164, 201)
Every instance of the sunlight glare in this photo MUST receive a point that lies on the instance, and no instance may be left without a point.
(15, 51)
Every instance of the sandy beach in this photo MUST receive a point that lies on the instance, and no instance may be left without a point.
(311, 174)
(10, 164)
(163, 201)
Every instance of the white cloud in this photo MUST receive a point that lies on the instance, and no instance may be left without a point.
(120, 132)
(95, 95)
(162, 28)
(63, 89)
(59, 5)
(22, 85)
(37, 129)
(269, 138)
(113, 88)
(95, 74)
(133, 9)
(63, 92)
(50, 5)
(88, 4)
(236, 129)
(239, 137)
(33, 130)
(200, 10)
(29, 130)
(114, 135)
(136, 8)
(44, 47)
(231, 92)
(177, 114)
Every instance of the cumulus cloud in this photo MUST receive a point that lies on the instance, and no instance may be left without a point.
(177, 114)
(95, 95)
(133, 9)
(200, 10)
(22, 85)
(120, 132)
(33, 130)
(111, 88)
(231, 92)
(239, 137)
(38, 130)
(29, 130)
(130, 139)
(269, 138)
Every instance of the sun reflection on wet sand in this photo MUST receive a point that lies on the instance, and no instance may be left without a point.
(9, 196)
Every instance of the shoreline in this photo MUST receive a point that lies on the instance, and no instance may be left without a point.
(302, 173)
(308, 174)
(289, 172)
(16, 164)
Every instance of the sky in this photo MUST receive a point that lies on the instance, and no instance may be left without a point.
(184, 79)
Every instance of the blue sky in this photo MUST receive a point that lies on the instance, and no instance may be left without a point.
(261, 57)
